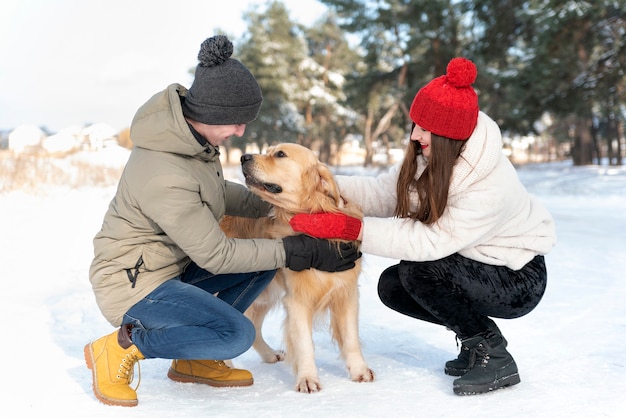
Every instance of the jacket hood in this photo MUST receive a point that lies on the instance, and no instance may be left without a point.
(159, 125)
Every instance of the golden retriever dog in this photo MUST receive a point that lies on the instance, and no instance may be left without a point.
(293, 180)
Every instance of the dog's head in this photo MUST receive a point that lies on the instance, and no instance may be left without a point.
(290, 177)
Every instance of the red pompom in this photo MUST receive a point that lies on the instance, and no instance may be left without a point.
(461, 72)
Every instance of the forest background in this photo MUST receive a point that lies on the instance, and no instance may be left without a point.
(549, 70)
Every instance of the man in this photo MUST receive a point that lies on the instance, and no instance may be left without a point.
(163, 271)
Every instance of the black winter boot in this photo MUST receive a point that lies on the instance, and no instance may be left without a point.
(460, 365)
(491, 366)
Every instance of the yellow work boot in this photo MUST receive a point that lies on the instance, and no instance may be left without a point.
(112, 359)
(209, 372)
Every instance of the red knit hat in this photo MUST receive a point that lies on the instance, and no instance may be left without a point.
(448, 105)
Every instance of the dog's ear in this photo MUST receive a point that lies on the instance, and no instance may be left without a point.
(328, 184)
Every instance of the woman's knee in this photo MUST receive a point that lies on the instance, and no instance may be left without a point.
(388, 285)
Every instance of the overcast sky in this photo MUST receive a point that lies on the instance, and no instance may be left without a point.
(74, 62)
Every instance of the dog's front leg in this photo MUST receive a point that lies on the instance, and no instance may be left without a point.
(345, 327)
(300, 349)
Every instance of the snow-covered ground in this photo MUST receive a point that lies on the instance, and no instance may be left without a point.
(570, 350)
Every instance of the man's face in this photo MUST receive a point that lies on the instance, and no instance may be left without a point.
(218, 134)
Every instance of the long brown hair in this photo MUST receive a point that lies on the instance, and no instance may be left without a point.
(433, 185)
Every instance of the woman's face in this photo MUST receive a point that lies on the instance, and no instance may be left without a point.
(423, 137)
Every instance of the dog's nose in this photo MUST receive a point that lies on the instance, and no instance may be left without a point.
(245, 157)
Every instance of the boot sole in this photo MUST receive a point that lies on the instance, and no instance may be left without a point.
(504, 382)
(452, 371)
(89, 359)
(185, 378)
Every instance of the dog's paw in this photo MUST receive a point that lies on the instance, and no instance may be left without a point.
(309, 385)
(274, 356)
(366, 376)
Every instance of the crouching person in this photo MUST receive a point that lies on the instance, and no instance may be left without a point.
(470, 237)
(163, 273)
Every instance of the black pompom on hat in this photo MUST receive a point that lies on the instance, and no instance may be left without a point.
(224, 92)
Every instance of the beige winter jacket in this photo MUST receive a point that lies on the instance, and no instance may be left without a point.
(166, 212)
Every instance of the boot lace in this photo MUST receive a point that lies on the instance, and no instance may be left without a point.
(221, 365)
(479, 353)
(126, 370)
(463, 346)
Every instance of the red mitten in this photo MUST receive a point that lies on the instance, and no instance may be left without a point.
(327, 225)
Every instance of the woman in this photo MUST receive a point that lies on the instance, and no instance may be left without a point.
(470, 237)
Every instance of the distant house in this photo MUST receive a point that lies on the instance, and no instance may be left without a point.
(65, 141)
(25, 138)
(99, 135)
(95, 137)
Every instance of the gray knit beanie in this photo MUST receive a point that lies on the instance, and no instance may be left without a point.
(224, 92)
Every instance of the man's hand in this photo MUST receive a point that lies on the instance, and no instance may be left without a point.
(303, 252)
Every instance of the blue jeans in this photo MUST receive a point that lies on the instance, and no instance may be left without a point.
(197, 315)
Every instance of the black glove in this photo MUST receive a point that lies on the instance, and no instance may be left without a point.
(305, 252)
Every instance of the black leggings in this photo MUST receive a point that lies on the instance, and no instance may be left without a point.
(460, 293)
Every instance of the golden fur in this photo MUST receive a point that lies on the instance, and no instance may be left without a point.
(291, 178)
